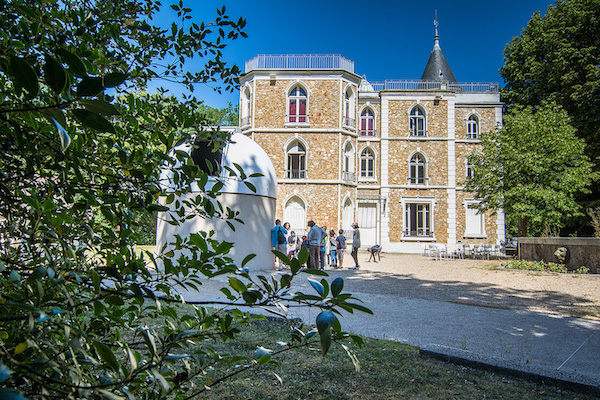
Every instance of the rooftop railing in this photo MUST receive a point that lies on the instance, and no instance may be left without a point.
(300, 61)
(469, 87)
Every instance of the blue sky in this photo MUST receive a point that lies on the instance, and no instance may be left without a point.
(385, 39)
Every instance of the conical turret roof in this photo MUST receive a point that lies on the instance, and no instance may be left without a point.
(437, 68)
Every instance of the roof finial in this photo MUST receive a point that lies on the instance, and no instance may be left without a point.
(436, 37)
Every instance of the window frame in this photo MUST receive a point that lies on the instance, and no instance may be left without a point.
(298, 158)
(417, 163)
(296, 99)
(349, 117)
(246, 108)
(417, 114)
(481, 234)
(366, 132)
(425, 232)
(473, 130)
(366, 161)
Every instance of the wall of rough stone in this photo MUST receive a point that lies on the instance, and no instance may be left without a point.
(581, 251)
(487, 119)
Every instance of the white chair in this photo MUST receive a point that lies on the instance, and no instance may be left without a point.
(426, 250)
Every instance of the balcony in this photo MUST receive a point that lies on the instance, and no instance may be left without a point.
(368, 132)
(296, 119)
(300, 61)
(295, 174)
(245, 121)
(350, 122)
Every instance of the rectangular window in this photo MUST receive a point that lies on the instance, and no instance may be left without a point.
(418, 220)
(474, 220)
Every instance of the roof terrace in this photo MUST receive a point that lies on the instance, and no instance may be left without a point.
(339, 62)
(300, 61)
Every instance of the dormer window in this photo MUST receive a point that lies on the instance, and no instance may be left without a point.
(417, 122)
(297, 105)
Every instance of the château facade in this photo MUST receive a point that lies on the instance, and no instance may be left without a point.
(391, 155)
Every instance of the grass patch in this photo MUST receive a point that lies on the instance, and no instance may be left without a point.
(389, 370)
(543, 266)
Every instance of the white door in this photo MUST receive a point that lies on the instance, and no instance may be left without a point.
(295, 213)
(367, 222)
(347, 217)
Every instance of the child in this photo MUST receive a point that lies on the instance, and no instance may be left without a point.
(332, 249)
(340, 247)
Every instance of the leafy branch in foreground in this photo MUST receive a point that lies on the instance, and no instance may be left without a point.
(82, 152)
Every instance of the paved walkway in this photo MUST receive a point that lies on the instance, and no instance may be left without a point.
(541, 345)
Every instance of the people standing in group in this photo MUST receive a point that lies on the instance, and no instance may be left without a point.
(323, 249)
(340, 247)
(278, 242)
(315, 237)
(332, 249)
(304, 245)
(355, 244)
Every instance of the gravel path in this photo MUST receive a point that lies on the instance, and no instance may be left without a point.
(475, 282)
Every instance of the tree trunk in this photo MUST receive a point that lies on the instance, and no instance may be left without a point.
(522, 228)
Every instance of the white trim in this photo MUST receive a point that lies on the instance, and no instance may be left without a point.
(375, 158)
(429, 200)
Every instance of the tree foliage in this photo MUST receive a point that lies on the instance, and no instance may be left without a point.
(557, 58)
(532, 168)
(80, 161)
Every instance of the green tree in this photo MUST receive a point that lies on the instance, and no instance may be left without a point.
(79, 141)
(532, 168)
(557, 58)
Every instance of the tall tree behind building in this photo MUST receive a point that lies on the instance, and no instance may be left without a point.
(557, 57)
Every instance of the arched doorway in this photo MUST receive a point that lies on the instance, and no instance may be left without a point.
(294, 212)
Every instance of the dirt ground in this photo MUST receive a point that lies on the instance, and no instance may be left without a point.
(476, 282)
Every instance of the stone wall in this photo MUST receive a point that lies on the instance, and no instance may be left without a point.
(581, 251)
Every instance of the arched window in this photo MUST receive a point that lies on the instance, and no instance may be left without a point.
(417, 171)
(348, 162)
(296, 161)
(297, 105)
(349, 108)
(367, 164)
(245, 107)
(367, 123)
(417, 122)
(473, 127)
(294, 212)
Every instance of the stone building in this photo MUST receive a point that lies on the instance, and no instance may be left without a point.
(391, 155)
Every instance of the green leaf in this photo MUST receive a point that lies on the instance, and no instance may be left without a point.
(65, 139)
(247, 259)
(237, 285)
(93, 120)
(55, 75)
(115, 79)
(317, 286)
(24, 75)
(336, 286)
(109, 395)
(315, 272)
(90, 86)
(325, 340)
(324, 321)
(74, 62)
(99, 106)
(106, 355)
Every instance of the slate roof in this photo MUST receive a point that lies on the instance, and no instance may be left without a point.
(437, 68)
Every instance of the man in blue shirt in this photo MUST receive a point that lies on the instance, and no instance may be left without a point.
(315, 236)
(278, 242)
